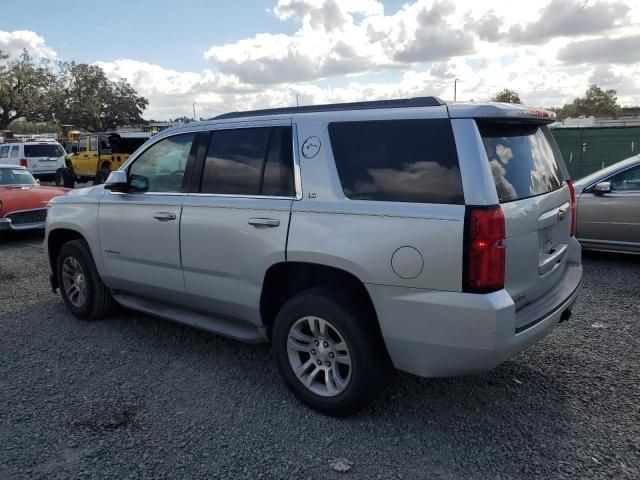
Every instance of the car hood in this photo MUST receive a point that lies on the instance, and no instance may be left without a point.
(27, 197)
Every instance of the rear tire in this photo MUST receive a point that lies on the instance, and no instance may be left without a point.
(342, 363)
(64, 177)
(101, 176)
(80, 285)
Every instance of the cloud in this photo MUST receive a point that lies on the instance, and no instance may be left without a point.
(13, 43)
(333, 41)
(570, 18)
(602, 50)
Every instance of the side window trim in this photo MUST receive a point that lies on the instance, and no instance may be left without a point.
(198, 170)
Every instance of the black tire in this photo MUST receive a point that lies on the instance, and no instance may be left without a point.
(367, 351)
(98, 301)
(64, 177)
(101, 176)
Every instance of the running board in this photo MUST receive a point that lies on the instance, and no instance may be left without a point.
(227, 328)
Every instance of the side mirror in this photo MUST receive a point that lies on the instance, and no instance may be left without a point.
(117, 181)
(602, 188)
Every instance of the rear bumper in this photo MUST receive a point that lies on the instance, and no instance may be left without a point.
(436, 334)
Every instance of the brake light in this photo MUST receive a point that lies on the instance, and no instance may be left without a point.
(23, 163)
(485, 253)
(572, 193)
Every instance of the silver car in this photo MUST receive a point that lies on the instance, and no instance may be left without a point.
(608, 216)
(437, 238)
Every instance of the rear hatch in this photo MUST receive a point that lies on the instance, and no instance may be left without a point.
(43, 156)
(530, 179)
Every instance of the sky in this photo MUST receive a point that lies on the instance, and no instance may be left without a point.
(246, 54)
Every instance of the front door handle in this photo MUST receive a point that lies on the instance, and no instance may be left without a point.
(264, 222)
(164, 216)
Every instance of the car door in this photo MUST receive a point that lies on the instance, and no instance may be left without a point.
(139, 231)
(235, 221)
(614, 217)
(81, 157)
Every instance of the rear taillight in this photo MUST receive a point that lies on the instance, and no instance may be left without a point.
(572, 193)
(484, 243)
(23, 163)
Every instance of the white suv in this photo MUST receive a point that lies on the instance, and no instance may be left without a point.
(434, 237)
(42, 159)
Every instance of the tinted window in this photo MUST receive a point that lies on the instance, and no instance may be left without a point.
(161, 167)
(43, 151)
(397, 160)
(278, 168)
(523, 162)
(82, 144)
(627, 180)
(4, 152)
(238, 160)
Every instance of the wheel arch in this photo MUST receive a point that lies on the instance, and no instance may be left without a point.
(285, 279)
(56, 239)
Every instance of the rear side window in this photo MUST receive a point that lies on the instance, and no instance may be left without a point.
(397, 160)
(523, 161)
(4, 152)
(43, 151)
(249, 161)
(14, 152)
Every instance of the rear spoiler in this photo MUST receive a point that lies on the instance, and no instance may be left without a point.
(503, 112)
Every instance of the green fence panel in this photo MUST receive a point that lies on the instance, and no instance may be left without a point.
(586, 150)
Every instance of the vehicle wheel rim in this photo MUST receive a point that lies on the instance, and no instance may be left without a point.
(74, 282)
(319, 356)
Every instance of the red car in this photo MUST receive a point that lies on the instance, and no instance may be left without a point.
(23, 201)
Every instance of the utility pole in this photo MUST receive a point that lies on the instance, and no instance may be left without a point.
(297, 99)
(194, 112)
(455, 89)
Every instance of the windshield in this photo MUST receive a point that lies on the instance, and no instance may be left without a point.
(523, 161)
(15, 176)
(50, 150)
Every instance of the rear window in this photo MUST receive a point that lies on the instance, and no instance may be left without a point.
(523, 161)
(43, 151)
(397, 160)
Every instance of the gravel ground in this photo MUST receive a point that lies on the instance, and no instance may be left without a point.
(137, 397)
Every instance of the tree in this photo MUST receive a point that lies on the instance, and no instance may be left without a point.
(25, 89)
(506, 96)
(596, 102)
(85, 97)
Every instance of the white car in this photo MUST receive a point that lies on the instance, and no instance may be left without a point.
(42, 159)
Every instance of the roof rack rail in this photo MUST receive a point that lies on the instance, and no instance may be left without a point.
(336, 107)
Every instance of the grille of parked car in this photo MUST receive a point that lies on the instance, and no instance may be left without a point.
(28, 216)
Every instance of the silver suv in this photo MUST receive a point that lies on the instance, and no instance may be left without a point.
(437, 238)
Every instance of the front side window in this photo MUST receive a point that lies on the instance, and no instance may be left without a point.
(522, 160)
(249, 161)
(82, 144)
(397, 160)
(161, 167)
(93, 144)
(627, 180)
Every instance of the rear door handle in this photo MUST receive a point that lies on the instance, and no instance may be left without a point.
(264, 222)
(164, 216)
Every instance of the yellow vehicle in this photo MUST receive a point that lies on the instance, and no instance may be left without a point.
(95, 155)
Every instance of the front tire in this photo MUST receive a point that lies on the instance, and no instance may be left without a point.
(81, 288)
(64, 177)
(326, 353)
